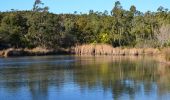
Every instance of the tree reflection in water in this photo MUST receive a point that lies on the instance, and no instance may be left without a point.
(121, 76)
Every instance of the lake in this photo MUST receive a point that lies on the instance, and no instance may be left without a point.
(83, 78)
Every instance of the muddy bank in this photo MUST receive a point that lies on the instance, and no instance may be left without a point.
(104, 49)
(11, 52)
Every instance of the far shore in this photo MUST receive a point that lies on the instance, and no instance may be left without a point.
(162, 55)
(13, 52)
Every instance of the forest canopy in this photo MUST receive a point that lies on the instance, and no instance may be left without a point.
(118, 27)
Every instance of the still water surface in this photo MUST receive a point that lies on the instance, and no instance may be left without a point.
(83, 78)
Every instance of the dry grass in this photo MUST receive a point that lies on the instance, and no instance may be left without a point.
(24, 52)
(166, 54)
(91, 49)
(105, 49)
(38, 49)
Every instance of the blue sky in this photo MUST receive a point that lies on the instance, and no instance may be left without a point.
(69, 6)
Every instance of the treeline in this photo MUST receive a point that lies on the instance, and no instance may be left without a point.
(131, 28)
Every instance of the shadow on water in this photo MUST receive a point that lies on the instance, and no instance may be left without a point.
(75, 77)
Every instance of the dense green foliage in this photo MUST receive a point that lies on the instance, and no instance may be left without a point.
(119, 28)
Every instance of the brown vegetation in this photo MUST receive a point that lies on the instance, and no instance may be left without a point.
(38, 51)
(162, 55)
(104, 49)
(166, 54)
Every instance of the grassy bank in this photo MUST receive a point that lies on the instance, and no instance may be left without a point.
(12, 52)
(104, 49)
(162, 55)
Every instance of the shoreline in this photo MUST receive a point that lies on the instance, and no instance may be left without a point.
(162, 55)
(12, 52)
(105, 49)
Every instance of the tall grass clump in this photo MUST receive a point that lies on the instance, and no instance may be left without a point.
(166, 53)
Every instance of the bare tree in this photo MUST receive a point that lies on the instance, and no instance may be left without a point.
(164, 35)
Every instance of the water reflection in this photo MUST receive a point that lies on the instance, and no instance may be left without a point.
(85, 78)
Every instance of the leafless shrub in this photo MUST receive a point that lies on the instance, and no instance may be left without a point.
(164, 35)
